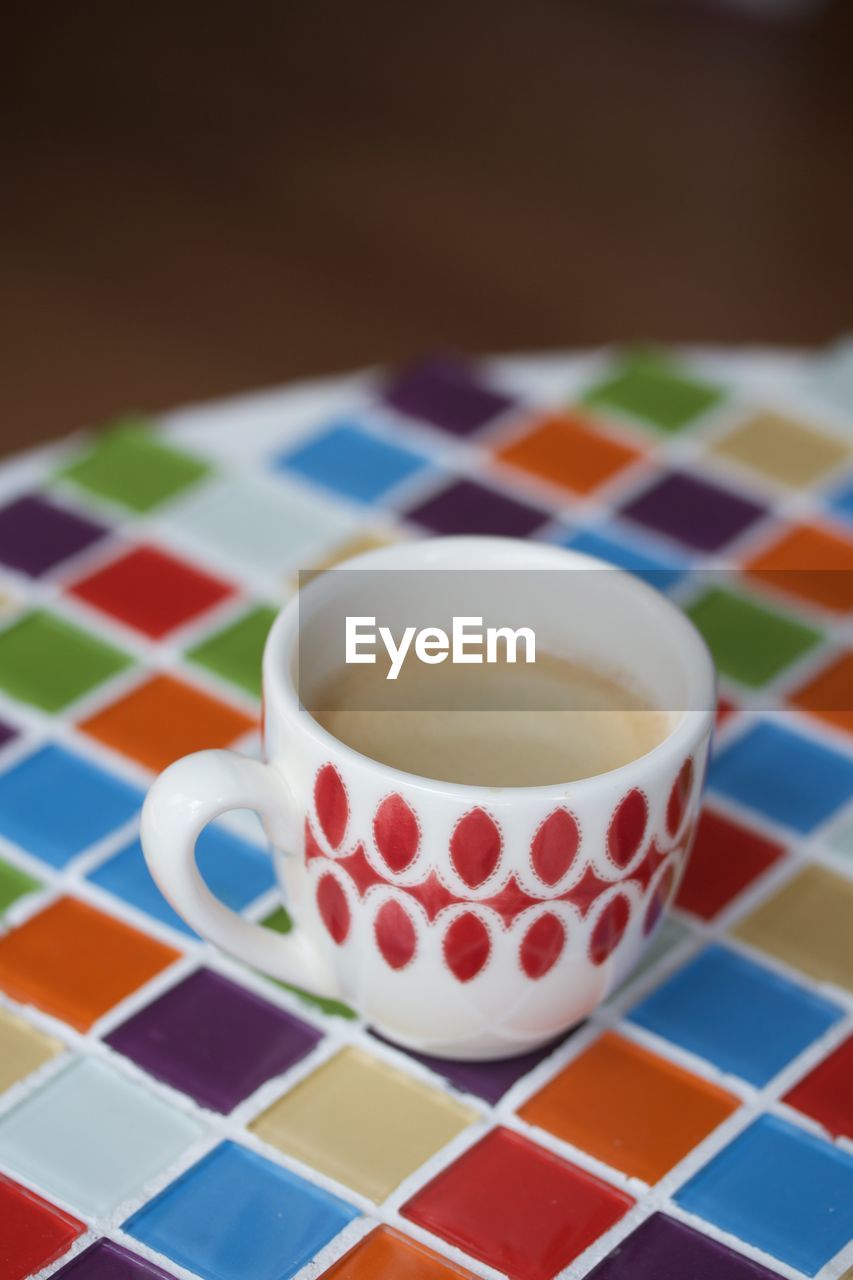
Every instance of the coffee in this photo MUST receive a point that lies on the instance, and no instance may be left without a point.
(440, 721)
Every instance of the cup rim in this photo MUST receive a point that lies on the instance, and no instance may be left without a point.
(279, 689)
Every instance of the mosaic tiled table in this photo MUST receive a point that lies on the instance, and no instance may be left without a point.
(164, 1111)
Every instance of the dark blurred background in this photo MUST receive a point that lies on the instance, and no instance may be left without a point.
(202, 198)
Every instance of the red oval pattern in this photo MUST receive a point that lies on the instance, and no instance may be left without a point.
(554, 846)
(396, 832)
(542, 945)
(475, 847)
(395, 934)
(659, 899)
(678, 797)
(627, 828)
(609, 928)
(330, 799)
(466, 946)
(333, 907)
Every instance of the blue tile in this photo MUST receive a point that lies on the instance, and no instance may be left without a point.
(55, 804)
(236, 1214)
(785, 776)
(658, 572)
(236, 871)
(351, 461)
(781, 1189)
(744, 1018)
(842, 501)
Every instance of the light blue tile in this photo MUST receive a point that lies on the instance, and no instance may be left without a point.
(742, 1017)
(55, 804)
(93, 1138)
(628, 554)
(353, 462)
(236, 1215)
(781, 1189)
(842, 501)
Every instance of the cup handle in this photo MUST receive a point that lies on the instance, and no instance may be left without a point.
(186, 796)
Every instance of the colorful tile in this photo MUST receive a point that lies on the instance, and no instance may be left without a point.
(87, 803)
(362, 1122)
(749, 642)
(131, 467)
(213, 1039)
(517, 1207)
(809, 563)
(384, 1252)
(744, 1018)
(23, 1049)
(570, 452)
(625, 552)
(164, 719)
(826, 1093)
(236, 872)
(106, 1260)
(468, 507)
(842, 501)
(783, 449)
(651, 388)
(446, 393)
(36, 535)
(33, 1233)
(353, 462)
(806, 924)
(663, 1249)
(694, 512)
(56, 961)
(269, 1221)
(830, 375)
(725, 859)
(829, 694)
(235, 651)
(92, 1138)
(840, 840)
(783, 775)
(49, 662)
(151, 591)
(781, 1189)
(629, 1107)
(14, 884)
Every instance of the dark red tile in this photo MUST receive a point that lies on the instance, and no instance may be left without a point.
(517, 1207)
(36, 534)
(32, 1232)
(446, 393)
(694, 512)
(467, 507)
(826, 1093)
(725, 859)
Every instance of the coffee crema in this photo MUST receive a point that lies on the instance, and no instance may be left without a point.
(441, 722)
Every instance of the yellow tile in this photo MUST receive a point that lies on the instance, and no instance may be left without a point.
(794, 453)
(368, 541)
(362, 1122)
(809, 925)
(22, 1048)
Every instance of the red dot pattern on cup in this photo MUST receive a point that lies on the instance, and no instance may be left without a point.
(678, 798)
(333, 907)
(475, 847)
(555, 846)
(542, 945)
(395, 934)
(396, 832)
(330, 801)
(466, 946)
(609, 928)
(627, 828)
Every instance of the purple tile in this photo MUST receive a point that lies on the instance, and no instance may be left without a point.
(694, 512)
(6, 732)
(486, 1080)
(467, 507)
(213, 1040)
(35, 535)
(105, 1260)
(446, 393)
(663, 1249)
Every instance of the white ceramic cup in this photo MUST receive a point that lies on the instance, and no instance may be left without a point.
(464, 921)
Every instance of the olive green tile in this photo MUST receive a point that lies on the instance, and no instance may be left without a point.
(49, 662)
(749, 642)
(129, 465)
(655, 391)
(235, 652)
(14, 883)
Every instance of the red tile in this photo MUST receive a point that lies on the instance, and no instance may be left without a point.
(33, 1233)
(151, 591)
(726, 857)
(826, 1093)
(517, 1207)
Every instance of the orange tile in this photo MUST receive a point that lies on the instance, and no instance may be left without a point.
(387, 1253)
(630, 1108)
(814, 564)
(569, 451)
(829, 694)
(75, 962)
(164, 719)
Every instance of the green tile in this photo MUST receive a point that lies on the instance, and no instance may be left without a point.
(648, 387)
(235, 651)
(280, 922)
(750, 642)
(128, 465)
(49, 662)
(14, 884)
